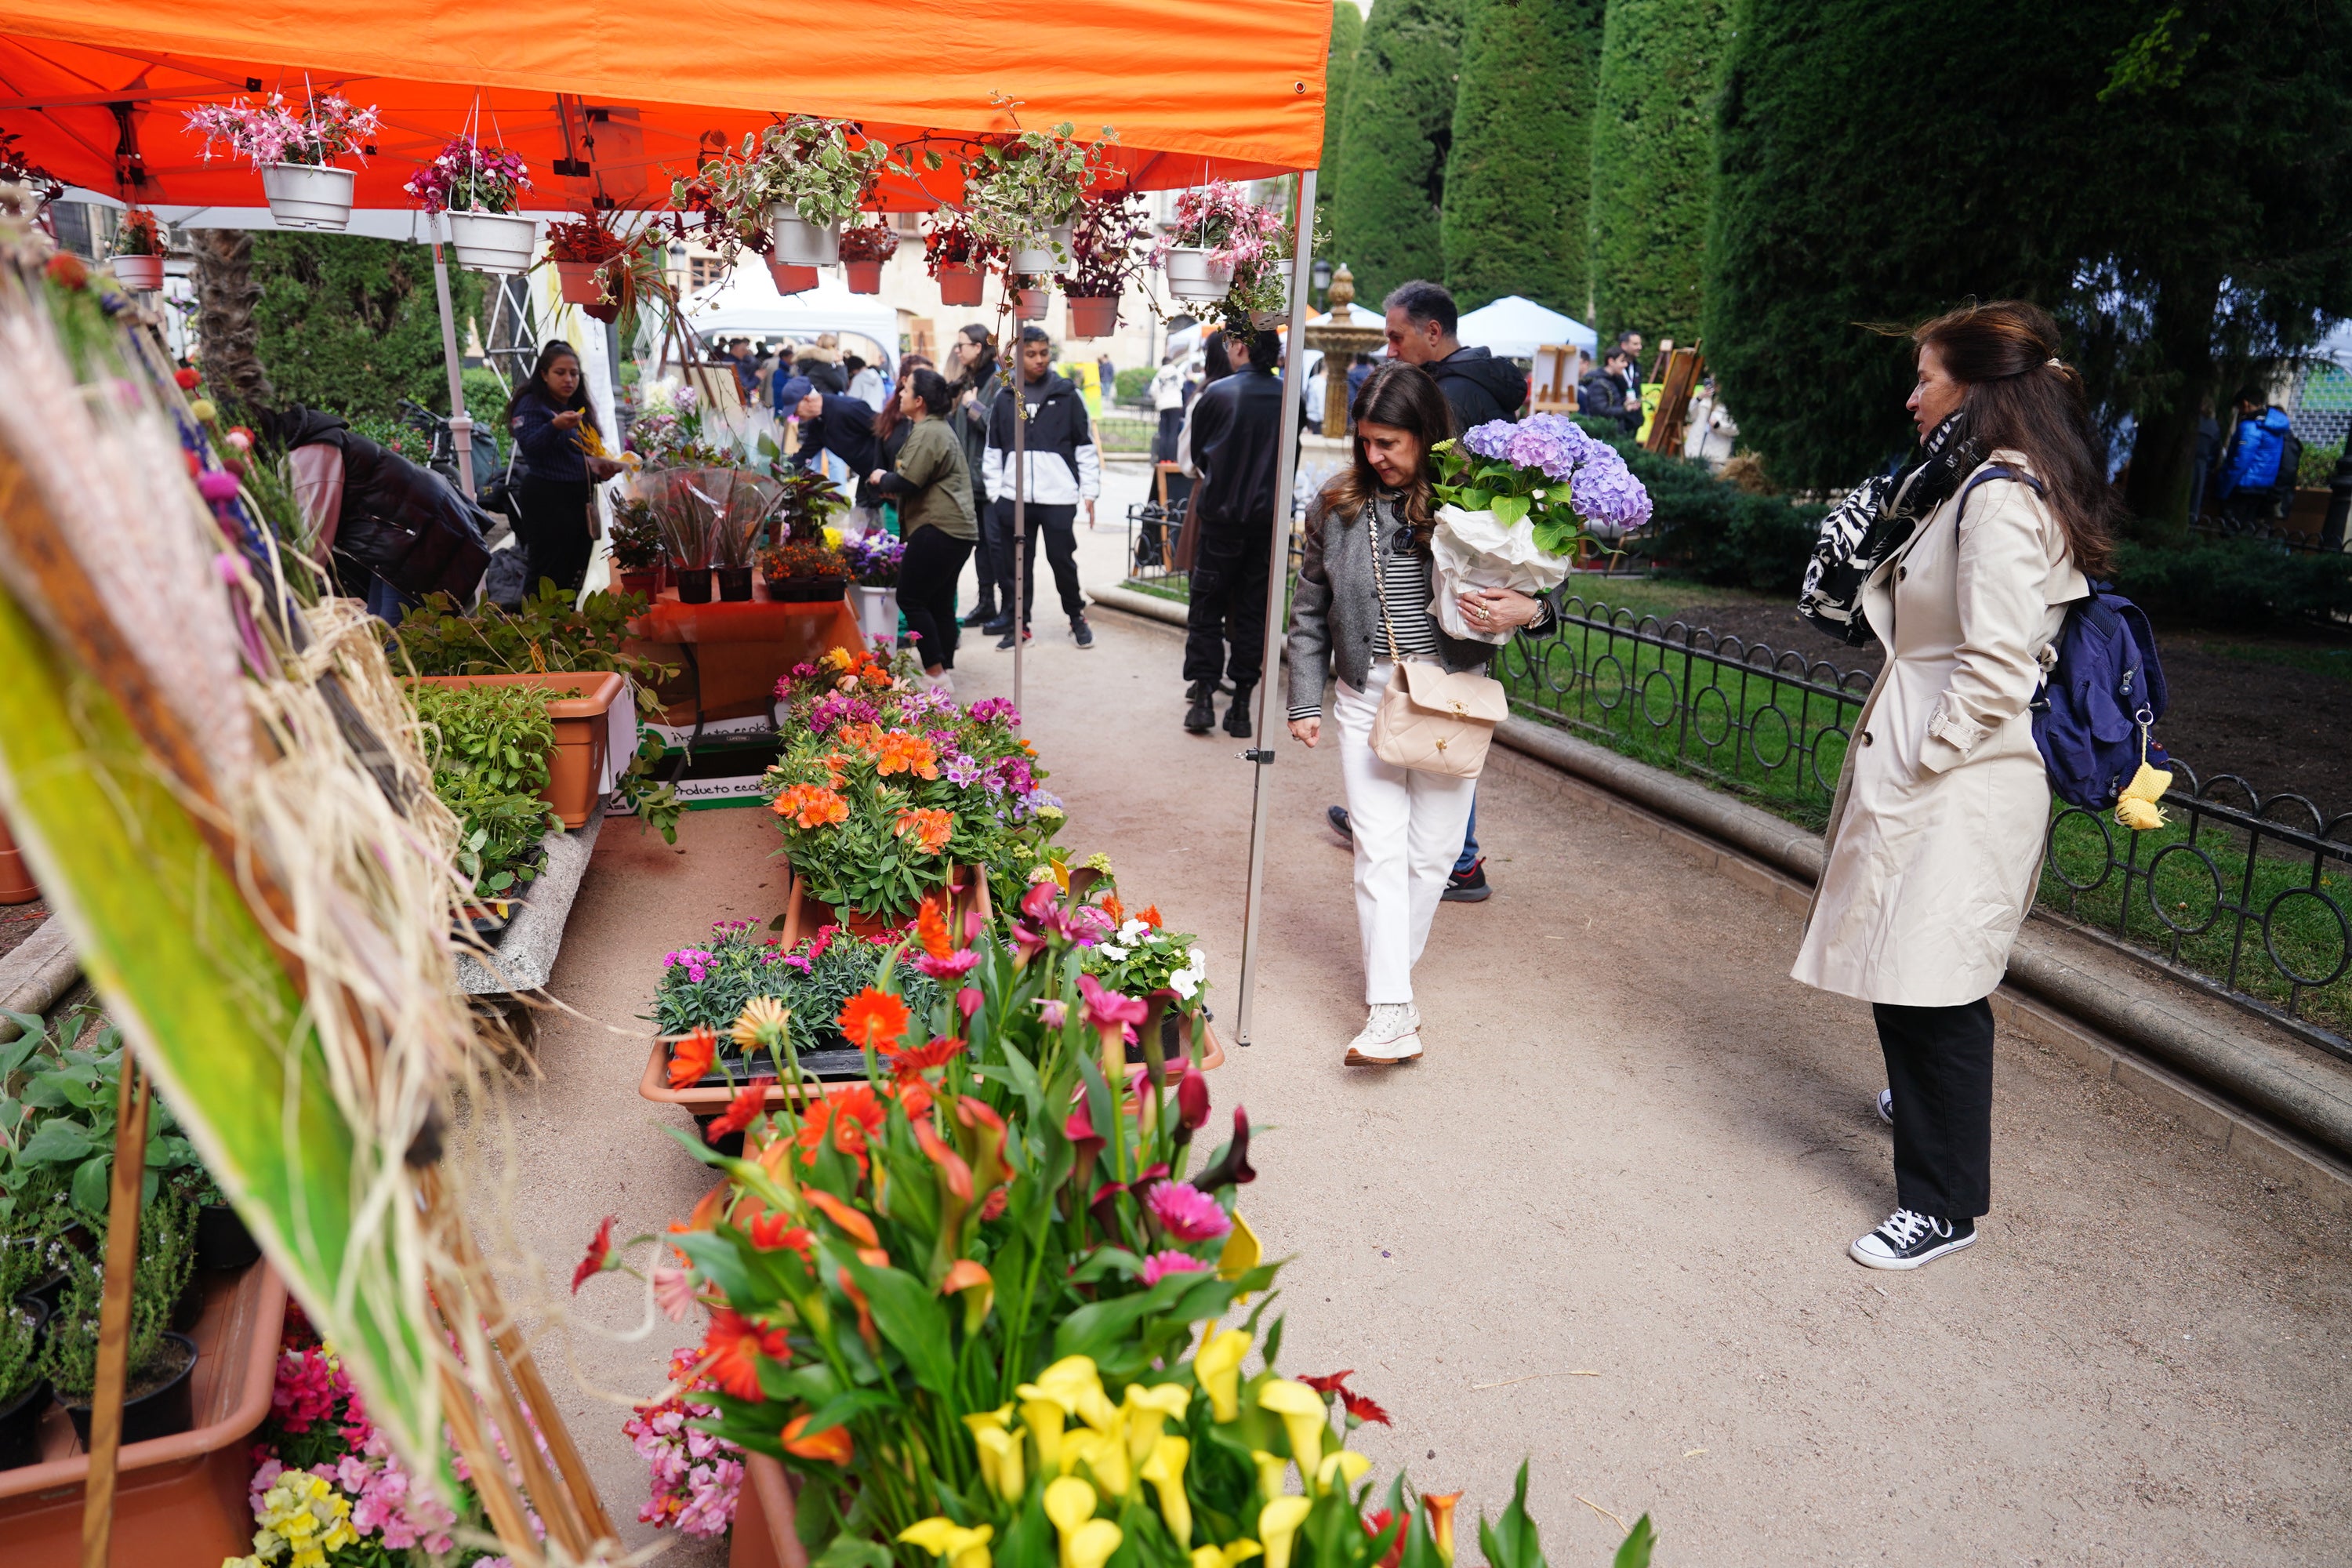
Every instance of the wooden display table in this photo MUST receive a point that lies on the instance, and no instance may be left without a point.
(733, 654)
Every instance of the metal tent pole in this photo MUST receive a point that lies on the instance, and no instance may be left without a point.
(461, 428)
(1277, 578)
(1020, 510)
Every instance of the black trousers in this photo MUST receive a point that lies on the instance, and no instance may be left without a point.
(552, 521)
(983, 556)
(1939, 1065)
(1164, 441)
(927, 594)
(1225, 630)
(1058, 526)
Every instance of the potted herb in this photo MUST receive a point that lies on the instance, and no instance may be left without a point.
(803, 572)
(637, 546)
(478, 190)
(138, 260)
(158, 1395)
(958, 256)
(295, 154)
(1024, 192)
(579, 253)
(864, 249)
(223, 1245)
(24, 1390)
(874, 573)
(1107, 254)
(540, 736)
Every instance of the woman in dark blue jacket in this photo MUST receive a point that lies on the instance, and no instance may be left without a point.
(554, 497)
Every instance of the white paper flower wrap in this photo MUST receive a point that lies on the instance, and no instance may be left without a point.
(1471, 550)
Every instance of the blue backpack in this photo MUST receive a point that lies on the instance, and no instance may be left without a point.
(2101, 696)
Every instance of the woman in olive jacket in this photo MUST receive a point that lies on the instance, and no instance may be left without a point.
(933, 489)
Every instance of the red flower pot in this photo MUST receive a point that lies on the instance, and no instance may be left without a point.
(579, 280)
(865, 277)
(792, 279)
(1093, 318)
(960, 285)
(1029, 304)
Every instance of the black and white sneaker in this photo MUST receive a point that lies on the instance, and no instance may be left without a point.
(1887, 1105)
(1909, 1238)
(1080, 633)
(1338, 817)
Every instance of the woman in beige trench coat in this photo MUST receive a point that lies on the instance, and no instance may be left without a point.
(1935, 835)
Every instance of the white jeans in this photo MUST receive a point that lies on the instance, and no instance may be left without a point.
(1407, 829)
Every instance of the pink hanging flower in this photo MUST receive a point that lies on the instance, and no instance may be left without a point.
(1186, 1213)
(1160, 1264)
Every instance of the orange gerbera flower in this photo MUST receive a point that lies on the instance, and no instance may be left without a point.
(918, 1059)
(848, 1118)
(731, 1351)
(810, 806)
(874, 1018)
(931, 928)
(690, 1057)
(929, 826)
(899, 753)
(830, 1446)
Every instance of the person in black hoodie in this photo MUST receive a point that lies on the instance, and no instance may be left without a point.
(391, 531)
(1478, 387)
(1236, 426)
(1061, 467)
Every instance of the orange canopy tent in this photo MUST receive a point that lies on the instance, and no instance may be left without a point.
(611, 99)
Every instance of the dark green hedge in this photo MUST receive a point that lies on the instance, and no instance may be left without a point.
(349, 324)
(1520, 173)
(2233, 583)
(1339, 69)
(1654, 164)
(1394, 146)
(1717, 532)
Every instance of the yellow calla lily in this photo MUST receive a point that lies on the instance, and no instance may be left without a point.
(1241, 1252)
(1095, 1541)
(1278, 1526)
(1304, 1416)
(1147, 1410)
(1069, 1503)
(1043, 1417)
(951, 1542)
(1217, 1367)
(1271, 1470)
(1000, 1458)
(1074, 1384)
(1225, 1556)
(1165, 1471)
(1102, 1453)
(1346, 1464)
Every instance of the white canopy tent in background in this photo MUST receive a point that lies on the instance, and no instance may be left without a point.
(1515, 328)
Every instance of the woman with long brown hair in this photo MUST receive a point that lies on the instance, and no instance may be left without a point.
(1362, 603)
(1935, 837)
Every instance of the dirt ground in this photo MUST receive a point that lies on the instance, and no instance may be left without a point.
(1603, 1224)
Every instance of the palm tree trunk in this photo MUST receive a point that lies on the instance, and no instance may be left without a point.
(226, 332)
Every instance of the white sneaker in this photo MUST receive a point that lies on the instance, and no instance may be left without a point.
(944, 681)
(1391, 1035)
(1887, 1105)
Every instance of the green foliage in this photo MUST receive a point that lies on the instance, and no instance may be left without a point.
(501, 735)
(1519, 177)
(351, 324)
(499, 832)
(813, 980)
(1394, 143)
(2239, 582)
(1134, 383)
(1511, 1541)
(486, 395)
(2318, 468)
(547, 632)
(57, 1119)
(167, 1255)
(1639, 1542)
(1717, 532)
(1339, 71)
(1654, 164)
(19, 1350)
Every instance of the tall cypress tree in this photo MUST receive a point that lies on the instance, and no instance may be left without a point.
(1517, 184)
(1339, 69)
(1654, 164)
(1394, 143)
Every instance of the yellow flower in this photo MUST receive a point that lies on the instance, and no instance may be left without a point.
(1225, 1556)
(1072, 1384)
(951, 1542)
(1277, 1524)
(1000, 1453)
(833, 539)
(1165, 1471)
(1095, 1541)
(761, 1025)
(1070, 1504)
(1105, 1453)
(1241, 1252)
(1147, 1410)
(1303, 1416)
(1348, 1466)
(1441, 1520)
(1271, 1469)
(1042, 1418)
(1217, 1367)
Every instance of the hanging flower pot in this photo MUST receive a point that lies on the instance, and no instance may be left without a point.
(865, 277)
(958, 285)
(493, 242)
(309, 196)
(1192, 275)
(800, 243)
(1029, 304)
(1277, 289)
(579, 281)
(1093, 318)
(140, 272)
(1040, 258)
(792, 279)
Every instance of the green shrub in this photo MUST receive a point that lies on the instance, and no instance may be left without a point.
(1133, 383)
(1716, 531)
(2318, 466)
(1394, 146)
(167, 1255)
(2240, 583)
(486, 396)
(351, 324)
(1654, 164)
(499, 735)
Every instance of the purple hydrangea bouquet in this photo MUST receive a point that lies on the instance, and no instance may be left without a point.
(1515, 499)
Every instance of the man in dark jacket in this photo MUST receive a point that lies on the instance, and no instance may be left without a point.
(1060, 468)
(393, 531)
(1602, 394)
(1479, 387)
(1236, 444)
(837, 423)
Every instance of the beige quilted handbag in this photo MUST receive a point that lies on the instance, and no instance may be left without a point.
(1432, 720)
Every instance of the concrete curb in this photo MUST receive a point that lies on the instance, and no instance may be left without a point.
(526, 957)
(38, 971)
(2268, 1073)
(1151, 607)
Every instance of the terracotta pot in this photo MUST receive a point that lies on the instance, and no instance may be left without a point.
(1093, 318)
(865, 277)
(1029, 304)
(16, 878)
(792, 279)
(648, 581)
(180, 1498)
(581, 726)
(960, 285)
(693, 583)
(145, 273)
(304, 195)
(764, 1536)
(579, 280)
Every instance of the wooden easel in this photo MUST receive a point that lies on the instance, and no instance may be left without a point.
(1684, 367)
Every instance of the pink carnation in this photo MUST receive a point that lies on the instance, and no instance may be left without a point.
(1186, 1213)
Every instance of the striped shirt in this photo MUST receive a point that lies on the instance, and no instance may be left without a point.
(1405, 590)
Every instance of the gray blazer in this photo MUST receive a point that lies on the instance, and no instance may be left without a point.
(1335, 612)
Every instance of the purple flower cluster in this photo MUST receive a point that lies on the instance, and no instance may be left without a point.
(989, 709)
(962, 770)
(1601, 487)
(874, 558)
(932, 701)
(840, 708)
(1032, 802)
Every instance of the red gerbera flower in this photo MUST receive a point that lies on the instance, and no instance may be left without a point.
(600, 1254)
(772, 1232)
(1336, 1383)
(918, 1059)
(874, 1018)
(848, 1118)
(740, 1111)
(690, 1057)
(1362, 1409)
(731, 1351)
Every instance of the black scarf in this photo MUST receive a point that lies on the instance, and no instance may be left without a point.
(1876, 519)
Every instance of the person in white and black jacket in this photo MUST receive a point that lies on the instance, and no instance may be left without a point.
(1060, 469)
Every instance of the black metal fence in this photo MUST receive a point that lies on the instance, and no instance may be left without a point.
(1153, 534)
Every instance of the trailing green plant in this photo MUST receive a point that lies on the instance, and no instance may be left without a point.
(57, 1125)
(1019, 187)
(167, 1257)
(499, 735)
(498, 832)
(2318, 467)
(823, 170)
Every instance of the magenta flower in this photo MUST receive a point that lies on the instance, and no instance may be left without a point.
(1107, 1011)
(1160, 1264)
(1186, 1213)
(954, 967)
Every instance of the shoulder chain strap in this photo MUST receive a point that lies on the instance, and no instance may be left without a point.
(1379, 583)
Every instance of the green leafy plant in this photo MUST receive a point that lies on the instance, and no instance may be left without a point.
(636, 537)
(58, 1117)
(499, 832)
(20, 1365)
(167, 1255)
(2318, 468)
(499, 735)
(821, 169)
(1019, 187)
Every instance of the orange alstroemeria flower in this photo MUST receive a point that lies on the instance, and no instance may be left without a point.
(690, 1057)
(733, 1349)
(929, 826)
(873, 1019)
(866, 1329)
(900, 753)
(862, 738)
(810, 806)
(857, 1227)
(830, 1447)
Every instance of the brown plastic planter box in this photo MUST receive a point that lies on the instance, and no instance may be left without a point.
(178, 1500)
(581, 726)
(764, 1536)
(16, 878)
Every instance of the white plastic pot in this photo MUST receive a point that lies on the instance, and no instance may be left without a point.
(800, 243)
(306, 196)
(140, 272)
(1192, 276)
(1042, 259)
(878, 611)
(493, 242)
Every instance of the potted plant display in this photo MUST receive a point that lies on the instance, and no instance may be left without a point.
(138, 260)
(1222, 245)
(295, 154)
(805, 572)
(873, 591)
(802, 180)
(958, 256)
(580, 252)
(476, 189)
(158, 1396)
(1024, 193)
(637, 546)
(864, 249)
(1107, 252)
